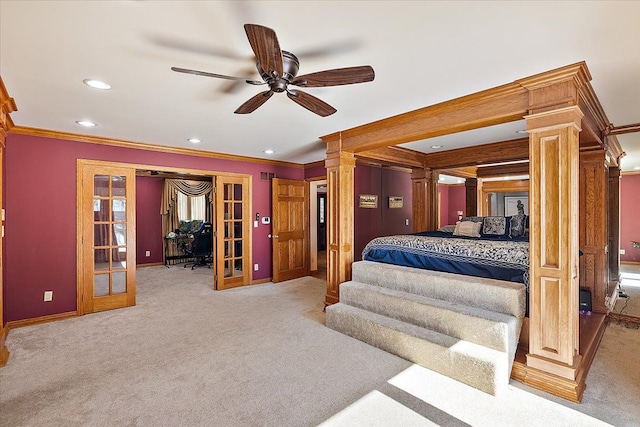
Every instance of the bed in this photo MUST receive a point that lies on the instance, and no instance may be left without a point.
(492, 253)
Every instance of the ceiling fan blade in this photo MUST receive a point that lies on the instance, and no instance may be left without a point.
(265, 46)
(253, 103)
(311, 103)
(336, 77)
(218, 76)
(234, 86)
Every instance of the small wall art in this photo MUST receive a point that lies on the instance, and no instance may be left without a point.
(368, 201)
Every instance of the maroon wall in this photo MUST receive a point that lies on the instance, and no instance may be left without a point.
(40, 227)
(382, 221)
(457, 202)
(629, 218)
(443, 190)
(315, 172)
(148, 219)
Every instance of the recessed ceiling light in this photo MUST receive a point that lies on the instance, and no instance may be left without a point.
(269, 151)
(636, 168)
(97, 84)
(194, 140)
(460, 181)
(85, 123)
(436, 146)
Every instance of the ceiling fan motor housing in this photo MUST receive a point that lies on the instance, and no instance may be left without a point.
(290, 66)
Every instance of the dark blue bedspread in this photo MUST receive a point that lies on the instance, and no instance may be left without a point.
(495, 257)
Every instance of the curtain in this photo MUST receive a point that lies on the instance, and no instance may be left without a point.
(169, 203)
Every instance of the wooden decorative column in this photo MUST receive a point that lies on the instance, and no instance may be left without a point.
(340, 167)
(471, 186)
(7, 106)
(594, 201)
(424, 196)
(614, 228)
(554, 241)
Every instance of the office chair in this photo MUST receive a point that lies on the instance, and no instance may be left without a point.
(202, 246)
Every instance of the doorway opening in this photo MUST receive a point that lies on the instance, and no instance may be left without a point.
(318, 227)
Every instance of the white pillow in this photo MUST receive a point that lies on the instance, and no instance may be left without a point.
(468, 229)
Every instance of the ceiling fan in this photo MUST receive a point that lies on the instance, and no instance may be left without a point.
(279, 69)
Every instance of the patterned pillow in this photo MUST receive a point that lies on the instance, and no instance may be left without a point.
(473, 218)
(447, 228)
(468, 229)
(494, 225)
(516, 225)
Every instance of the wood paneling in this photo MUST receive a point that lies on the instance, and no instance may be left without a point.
(506, 151)
(340, 204)
(510, 169)
(424, 198)
(594, 205)
(553, 253)
(471, 193)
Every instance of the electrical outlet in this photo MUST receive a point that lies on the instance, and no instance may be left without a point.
(622, 251)
(147, 253)
(255, 267)
(406, 221)
(48, 295)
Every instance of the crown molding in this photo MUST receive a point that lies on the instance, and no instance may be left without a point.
(45, 133)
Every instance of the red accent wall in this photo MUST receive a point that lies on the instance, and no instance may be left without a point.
(40, 227)
(629, 218)
(457, 202)
(443, 190)
(381, 221)
(148, 219)
(315, 172)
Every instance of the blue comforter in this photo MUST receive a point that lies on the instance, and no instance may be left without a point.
(495, 257)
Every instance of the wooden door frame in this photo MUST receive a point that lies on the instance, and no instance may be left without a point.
(136, 166)
(313, 210)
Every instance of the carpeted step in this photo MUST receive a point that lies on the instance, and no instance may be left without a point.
(476, 325)
(478, 366)
(489, 294)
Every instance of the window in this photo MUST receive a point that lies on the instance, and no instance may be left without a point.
(191, 208)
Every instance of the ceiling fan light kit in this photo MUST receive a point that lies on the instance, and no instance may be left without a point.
(279, 68)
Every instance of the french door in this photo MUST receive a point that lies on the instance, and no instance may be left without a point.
(233, 236)
(106, 240)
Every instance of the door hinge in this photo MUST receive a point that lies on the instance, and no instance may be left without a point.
(215, 278)
(215, 234)
(82, 297)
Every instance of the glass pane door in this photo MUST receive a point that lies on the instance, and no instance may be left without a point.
(108, 237)
(233, 222)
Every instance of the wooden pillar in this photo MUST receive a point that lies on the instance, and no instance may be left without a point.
(553, 252)
(614, 228)
(594, 200)
(471, 186)
(340, 167)
(7, 106)
(424, 196)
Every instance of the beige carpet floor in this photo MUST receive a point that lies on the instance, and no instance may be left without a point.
(261, 356)
(630, 285)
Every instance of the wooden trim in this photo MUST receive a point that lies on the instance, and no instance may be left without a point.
(499, 105)
(496, 152)
(619, 130)
(20, 130)
(395, 155)
(7, 106)
(510, 169)
(631, 321)
(630, 262)
(313, 164)
(317, 178)
(630, 173)
(592, 329)
(151, 264)
(42, 319)
(261, 281)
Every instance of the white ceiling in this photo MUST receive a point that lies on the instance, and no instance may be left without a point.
(423, 52)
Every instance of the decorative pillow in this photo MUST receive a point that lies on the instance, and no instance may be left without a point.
(516, 225)
(447, 228)
(468, 229)
(473, 218)
(494, 225)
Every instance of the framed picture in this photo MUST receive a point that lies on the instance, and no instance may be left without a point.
(368, 201)
(514, 205)
(395, 202)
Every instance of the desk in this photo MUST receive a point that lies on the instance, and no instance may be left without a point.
(174, 249)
